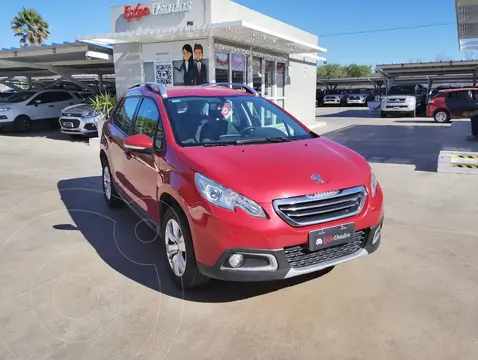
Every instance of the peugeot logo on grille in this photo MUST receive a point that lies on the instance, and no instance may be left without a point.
(317, 179)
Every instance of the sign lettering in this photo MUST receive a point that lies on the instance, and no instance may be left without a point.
(157, 8)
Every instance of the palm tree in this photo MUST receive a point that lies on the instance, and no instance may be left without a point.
(30, 26)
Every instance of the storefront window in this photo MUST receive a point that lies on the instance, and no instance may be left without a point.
(148, 68)
(280, 79)
(257, 74)
(238, 66)
(222, 66)
(269, 80)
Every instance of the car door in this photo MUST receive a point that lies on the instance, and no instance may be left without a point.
(459, 103)
(117, 130)
(143, 170)
(61, 99)
(41, 106)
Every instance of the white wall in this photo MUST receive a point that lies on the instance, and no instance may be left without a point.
(300, 93)
(128, 66)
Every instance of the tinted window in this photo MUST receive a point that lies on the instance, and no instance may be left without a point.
(458, 95)
(402, 90)
(19, 97)
(146, 120)
(230, 120)
(61, 96)
(124, 117)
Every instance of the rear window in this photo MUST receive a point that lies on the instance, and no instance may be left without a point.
(458, 95)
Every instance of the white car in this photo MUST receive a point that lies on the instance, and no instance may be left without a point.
(81, 119)
(334, 99)
(26, 107)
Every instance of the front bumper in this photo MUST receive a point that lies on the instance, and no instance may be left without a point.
(78, 125)
(293, 261)
(398, 107)
(361, 102)
(331, 101)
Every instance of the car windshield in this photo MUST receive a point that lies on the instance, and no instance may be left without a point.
(231, 120)
(402, 90)
(19, 97)
(334, 92)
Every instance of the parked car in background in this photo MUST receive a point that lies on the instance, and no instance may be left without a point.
(319, 98)
(7, 93)
(80, 119)
(359, 97)
(334, 97)
(450, 104)
(24, 108)
(222, 215)
(404, 99)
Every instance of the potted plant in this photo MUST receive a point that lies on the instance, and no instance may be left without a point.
(103, 103)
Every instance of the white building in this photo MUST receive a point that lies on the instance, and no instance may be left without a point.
(164, 41)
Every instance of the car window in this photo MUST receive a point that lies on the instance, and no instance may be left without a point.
(458, 95)
(230, 120)
(146, 121)
(20, 97)
(61, 96)
(45, 97)
(124, 116)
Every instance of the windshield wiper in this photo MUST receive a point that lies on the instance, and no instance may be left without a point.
(263, 140)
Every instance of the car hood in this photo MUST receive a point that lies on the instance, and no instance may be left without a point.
(358, 94)
(333, 96)
(78, 107)
(265, 172)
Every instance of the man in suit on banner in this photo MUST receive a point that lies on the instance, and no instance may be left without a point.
(200, 68)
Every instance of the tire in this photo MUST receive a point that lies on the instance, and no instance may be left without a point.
(112, 197)
(383, 114)
(175, 230)
(441, 116)
(22, 124)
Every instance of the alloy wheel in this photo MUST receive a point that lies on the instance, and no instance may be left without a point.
(107, 182)
(175, 247)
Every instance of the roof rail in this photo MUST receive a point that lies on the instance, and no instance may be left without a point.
(154, 87)
(248, 89)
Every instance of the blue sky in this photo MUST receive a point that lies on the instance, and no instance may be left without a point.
(69, 19)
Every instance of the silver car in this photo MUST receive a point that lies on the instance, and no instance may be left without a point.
(80, 119)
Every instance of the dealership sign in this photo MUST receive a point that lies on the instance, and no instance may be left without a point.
(157, 8)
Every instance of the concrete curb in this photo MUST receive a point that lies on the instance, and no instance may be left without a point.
(317, 124)
(94, 142)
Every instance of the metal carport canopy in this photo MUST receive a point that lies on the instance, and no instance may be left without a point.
(467, 24)
(64, 59)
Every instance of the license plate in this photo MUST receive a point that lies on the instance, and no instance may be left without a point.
(336, 235)
(396, 108)
(68, 124)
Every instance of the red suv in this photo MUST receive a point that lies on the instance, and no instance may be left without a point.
(450, 104)
(238, 188)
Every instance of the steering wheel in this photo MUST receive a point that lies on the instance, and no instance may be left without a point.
(247, 130)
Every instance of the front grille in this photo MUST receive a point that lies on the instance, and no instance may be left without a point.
(75, 123)
(72, 114)
(354, 98)
(299, 257)
(397, 100)
(322, 207)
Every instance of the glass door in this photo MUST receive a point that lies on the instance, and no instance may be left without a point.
(238, 66)
(222, 66)
(257, 78)
(279, 95)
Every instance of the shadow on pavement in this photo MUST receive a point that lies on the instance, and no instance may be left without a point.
(412, 145)
(418, 121)
(44, 131)
(128, 246)
(355, 113)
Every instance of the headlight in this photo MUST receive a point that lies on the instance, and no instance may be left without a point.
(373, 184)
(88, 113)
(226, 198)
(5, 109)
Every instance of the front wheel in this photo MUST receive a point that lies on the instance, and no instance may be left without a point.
(109, 191)
(22, 124)
(441, 116)
(179, 250)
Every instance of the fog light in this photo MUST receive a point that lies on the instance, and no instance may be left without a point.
(236, 260)
(376, 236)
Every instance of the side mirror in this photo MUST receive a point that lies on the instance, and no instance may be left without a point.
(139, 143)
(36, 102)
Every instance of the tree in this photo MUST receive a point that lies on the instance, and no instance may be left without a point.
(469, 55)
(354, 70)
(442, 57)
(330, 71)
(30, 27)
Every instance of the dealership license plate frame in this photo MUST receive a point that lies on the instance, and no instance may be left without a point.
(332, 231)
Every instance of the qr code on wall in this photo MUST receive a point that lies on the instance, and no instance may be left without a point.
(164, 73)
